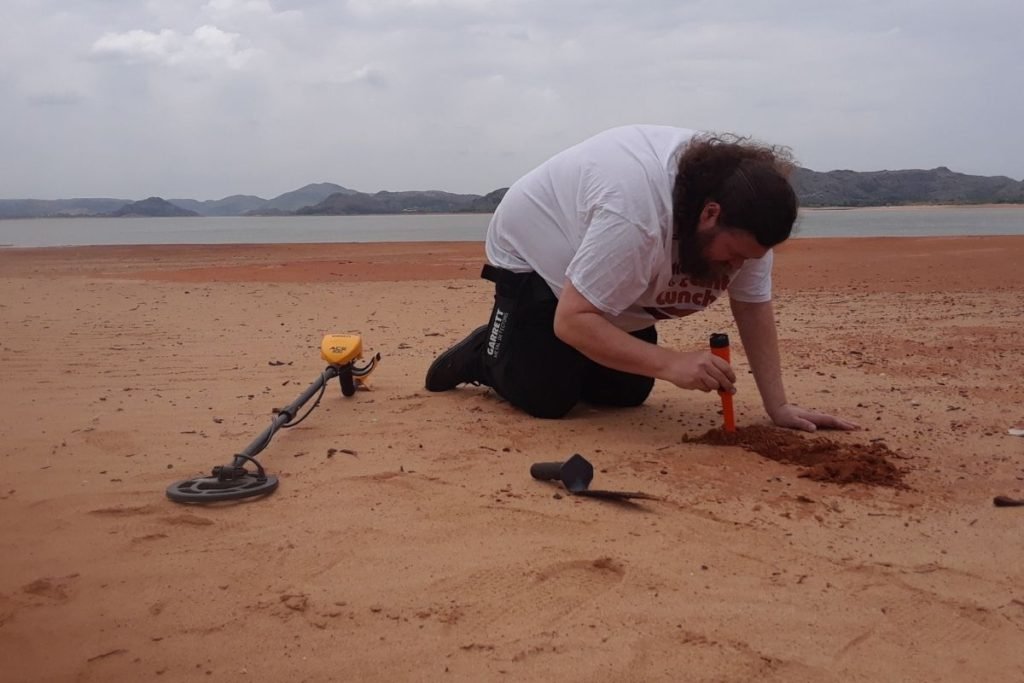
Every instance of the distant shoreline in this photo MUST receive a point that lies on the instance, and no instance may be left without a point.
(901, 221)
(260, 216)
(880, 207)
(911, 207)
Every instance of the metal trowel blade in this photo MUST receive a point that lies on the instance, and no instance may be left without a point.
(616, 495)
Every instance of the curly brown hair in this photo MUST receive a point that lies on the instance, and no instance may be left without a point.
(746, 178)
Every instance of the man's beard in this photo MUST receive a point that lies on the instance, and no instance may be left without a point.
(692, 260)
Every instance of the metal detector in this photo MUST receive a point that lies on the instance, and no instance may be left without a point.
(235, 481)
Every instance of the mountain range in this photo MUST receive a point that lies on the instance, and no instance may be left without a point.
(814, 188)
(897, 188)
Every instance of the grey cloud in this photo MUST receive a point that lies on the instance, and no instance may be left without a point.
(465, 95)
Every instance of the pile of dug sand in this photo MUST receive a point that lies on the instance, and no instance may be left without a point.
(824, 459)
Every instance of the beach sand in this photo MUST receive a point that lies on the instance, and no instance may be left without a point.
(407, 540)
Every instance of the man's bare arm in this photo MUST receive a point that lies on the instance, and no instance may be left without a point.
(756, 323)
(584, 327)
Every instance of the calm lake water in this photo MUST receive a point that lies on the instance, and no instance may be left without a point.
(873, 222)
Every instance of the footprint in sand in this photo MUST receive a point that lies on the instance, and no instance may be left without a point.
(123, 511)
(55, 589)
(516, 598)
(187, 520)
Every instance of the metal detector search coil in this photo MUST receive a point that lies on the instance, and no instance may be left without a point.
(235, 481)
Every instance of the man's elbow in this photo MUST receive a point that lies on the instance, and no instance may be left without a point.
(571, 328)
(563, 328)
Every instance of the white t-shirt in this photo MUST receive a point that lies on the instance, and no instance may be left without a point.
(600, 215)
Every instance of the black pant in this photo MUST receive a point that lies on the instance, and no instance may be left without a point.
(536, 371)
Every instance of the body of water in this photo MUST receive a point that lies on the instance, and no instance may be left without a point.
(871, 222)
(916, 221)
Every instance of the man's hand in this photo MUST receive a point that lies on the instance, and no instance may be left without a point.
(795, 417)
(701, 370)
(581, 325)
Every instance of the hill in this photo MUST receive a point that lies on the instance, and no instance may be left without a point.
(888, 188)
(58, 208)
(354, 203)
(814, 188)
(489, 202)
(235, 205)
(307, 195)
(153, 207)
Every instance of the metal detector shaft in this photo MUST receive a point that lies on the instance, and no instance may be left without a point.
(286, 415)
(235, 481)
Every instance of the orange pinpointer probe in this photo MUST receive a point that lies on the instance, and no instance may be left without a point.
(720, 347)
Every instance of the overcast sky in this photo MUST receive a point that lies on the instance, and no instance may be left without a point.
(207, 98)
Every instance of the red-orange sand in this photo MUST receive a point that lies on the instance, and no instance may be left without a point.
(424, 550)
(822, 459)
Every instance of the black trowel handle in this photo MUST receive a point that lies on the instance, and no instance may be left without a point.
(546, 471)
(575, 473)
